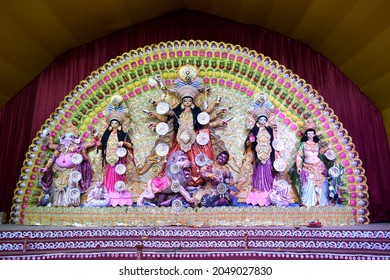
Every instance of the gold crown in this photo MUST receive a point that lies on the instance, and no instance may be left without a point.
(188, 73)
(309, 124)
(70, 129)
(262, 111)
(115, 115)
(187, 91)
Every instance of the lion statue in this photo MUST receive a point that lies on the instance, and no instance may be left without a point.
(175, 182)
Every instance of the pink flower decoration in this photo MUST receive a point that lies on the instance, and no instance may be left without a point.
(221, 82)
(237, 86)
(249, 92)
(349, 171)
(30, 184)
(335, 140)
(267, 72)
(163, 55)
(137, 90)
(86, 134)
(287, 121)
(293, 127)
(148, 59)
(282, 116)
(339, 148)
(140, 62)
(229, 83)
(195, 53)
(246, 61)
(57, 127)
(214, 80)
(133, 64)
(94, 87)
(232, 56)
(346, 162)
(201, 53)
(125, 97)
(156, 57)
(305, 100)
(33, 176)
(72, 108)
(131, 94)
(106, 78)
(239, 58)
(310, 106)
(168, 82)
(113, 74)
(352, 188)
(209, 54)
(253, 65)
(89, 91)
(224, 55)
(67, 114)
(38, 162)
(274, 76)
(119, 70)
(145, 88)
(326, 126)
(317, 113)
(260, 68)
(100, 82)
(126, 67)
(206, 80)
(217, 54)
(287, 85)
(77, 102)
(322, 119)
(83, 97)
(293, 90)
(352, 202)
(343, 155)
(179, 53)
(100, 115)
(187, 53)
(62, 121)
(299, 95)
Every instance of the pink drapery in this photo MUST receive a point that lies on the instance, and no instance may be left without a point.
(22, 117)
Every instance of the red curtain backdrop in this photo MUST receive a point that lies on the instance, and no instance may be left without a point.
(22, 117)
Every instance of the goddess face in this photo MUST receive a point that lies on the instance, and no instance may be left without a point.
(262, 120)
(187, 101)
(114, 124)
(310, 135)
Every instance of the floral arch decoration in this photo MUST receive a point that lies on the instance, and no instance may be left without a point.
(232, 72)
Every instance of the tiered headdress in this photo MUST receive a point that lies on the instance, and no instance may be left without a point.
(262, 106)
(188, 84)
(70, 129)
(309, 124)
(116, 109)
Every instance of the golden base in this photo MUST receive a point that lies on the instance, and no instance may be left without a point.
(194, 217)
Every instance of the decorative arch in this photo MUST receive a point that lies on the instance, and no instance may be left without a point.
(234, 72)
